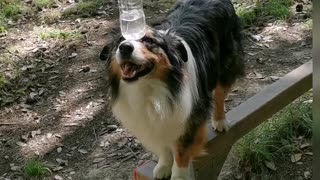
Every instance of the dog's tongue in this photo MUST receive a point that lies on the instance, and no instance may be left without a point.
(129, 70)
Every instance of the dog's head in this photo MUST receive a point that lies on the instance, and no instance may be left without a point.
(153, 56)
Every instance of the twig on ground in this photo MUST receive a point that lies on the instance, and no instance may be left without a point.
(7, 124)
(131, 151)
(129, 157)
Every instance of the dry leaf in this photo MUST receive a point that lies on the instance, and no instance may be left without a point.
(58, 168)
(296, 157)
(97, 160)
(15, 168)
(259, 76)
(57, 177)
(309, 153)
(25, 137)
(62, 162)
(34, 133)
(274, 78)
(49, 135)
(82, 151)
(304, 145)
(307, 174)
(19, 143)
(270, 165)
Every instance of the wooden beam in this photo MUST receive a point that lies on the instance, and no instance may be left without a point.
(243, 119)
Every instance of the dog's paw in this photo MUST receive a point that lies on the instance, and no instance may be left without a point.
(161, 171)
(220, 125)
(180, 178)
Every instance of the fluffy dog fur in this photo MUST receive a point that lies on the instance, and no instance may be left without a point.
(163, 85)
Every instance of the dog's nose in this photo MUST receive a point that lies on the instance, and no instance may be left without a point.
(126, 49)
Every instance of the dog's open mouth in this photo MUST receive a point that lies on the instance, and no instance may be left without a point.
(131, 71)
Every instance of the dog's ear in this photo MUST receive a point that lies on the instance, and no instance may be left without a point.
(106, 52)
(114, 39)
(176, 49)
(182, 51)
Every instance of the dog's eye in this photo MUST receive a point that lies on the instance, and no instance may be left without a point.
(148, 40)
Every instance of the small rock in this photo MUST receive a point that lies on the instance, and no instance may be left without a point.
(6, 157)
(72, 172)
(59, 149)
(57, 177)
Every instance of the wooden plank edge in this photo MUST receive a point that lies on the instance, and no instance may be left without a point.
(238, 116)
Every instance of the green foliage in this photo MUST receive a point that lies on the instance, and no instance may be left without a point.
(247, 16)
(86, 7)
(3, 27)
(279, 9)
(34, 169)
(308, 24)
(2, 80)
(11, 10)
(273, 140)
(58, 34)
(43, 3)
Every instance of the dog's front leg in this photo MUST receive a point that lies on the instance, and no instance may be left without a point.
(163, 168)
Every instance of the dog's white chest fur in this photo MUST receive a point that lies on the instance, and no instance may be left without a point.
(144, 109)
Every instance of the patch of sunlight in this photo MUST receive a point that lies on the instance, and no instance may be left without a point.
(280, 30)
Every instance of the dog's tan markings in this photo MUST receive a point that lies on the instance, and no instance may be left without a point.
(183, 156)
(149, 33)
(115, 69)
(161, 64)
(220, 93)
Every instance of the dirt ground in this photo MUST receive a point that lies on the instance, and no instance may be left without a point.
(56, 108)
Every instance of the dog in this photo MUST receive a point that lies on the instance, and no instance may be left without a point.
(164, 85)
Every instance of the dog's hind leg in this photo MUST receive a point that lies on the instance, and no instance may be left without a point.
(219, 120)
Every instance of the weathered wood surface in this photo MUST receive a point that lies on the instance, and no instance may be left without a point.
(242, 119)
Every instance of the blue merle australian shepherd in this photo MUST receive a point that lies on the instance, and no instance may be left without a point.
(164, 85)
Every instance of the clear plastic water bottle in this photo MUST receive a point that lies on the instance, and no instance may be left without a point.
(132, 19)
